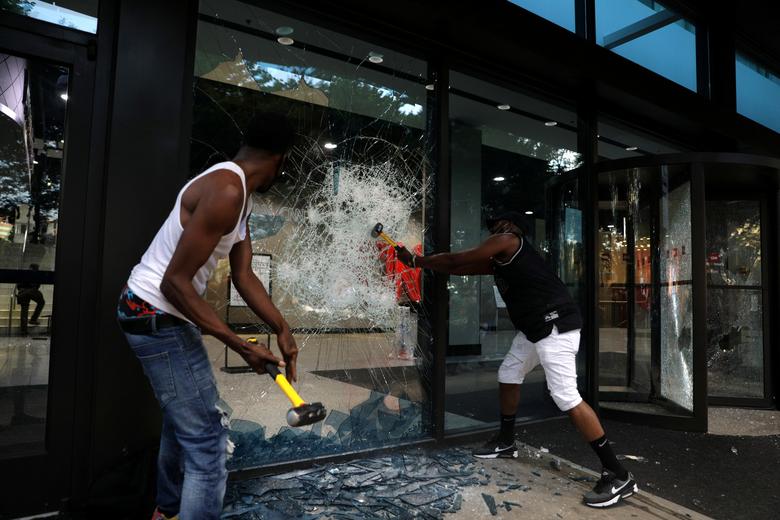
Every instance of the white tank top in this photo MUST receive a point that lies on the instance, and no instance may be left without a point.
(146, 276)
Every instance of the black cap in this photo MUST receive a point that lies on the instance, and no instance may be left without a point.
(515, 217)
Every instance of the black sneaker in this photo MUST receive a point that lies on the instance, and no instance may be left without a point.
(496, 448)
(609, 490)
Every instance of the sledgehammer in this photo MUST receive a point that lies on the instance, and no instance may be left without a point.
(301, 413)
(377, 232)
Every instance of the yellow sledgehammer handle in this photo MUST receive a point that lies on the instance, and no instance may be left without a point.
(285, 385)
(387, 239)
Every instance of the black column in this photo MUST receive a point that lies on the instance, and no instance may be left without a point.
(147, 152)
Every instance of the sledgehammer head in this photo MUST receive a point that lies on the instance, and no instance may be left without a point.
(377, 230)
(307, 413)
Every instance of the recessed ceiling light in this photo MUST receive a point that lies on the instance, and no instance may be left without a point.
(529, 212)
(375, 57)
(499, 179)
(430, 86)
(285, 40)
(64, 96)
(631, 148)
(550, 123)
(503, 107)
(284, 30)
(330, 146)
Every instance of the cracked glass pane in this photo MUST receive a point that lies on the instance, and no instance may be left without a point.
(676, 302)
(362, 157)
(735, 339)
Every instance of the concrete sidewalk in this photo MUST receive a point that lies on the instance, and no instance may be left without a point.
(556, 489)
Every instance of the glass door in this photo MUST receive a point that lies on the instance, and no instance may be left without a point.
(46, 96)
(736, 321)
(32, 140)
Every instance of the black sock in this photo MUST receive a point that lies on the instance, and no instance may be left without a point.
(507, 434)
(607, 456)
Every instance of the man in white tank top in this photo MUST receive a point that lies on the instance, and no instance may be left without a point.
(162, 313)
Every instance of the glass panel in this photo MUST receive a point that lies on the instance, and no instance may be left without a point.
(618, 141)
(735, 336)
(32, 123)
(758, 90)
(645, 306)
(361, 158)
(560, 12)
(509, 152)
(646, 32)
(74, 14)
(676, 302)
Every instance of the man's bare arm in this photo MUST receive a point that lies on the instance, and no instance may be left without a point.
(214, 216)
(257, 298)
(478, 260)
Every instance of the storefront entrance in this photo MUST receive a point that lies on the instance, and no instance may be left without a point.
(682, 309)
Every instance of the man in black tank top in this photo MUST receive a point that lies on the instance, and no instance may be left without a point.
(548, 322)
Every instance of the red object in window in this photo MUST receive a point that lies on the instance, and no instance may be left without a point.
(407, 280)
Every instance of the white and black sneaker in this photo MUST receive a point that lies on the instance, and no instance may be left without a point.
(609, 490)
(496, 448)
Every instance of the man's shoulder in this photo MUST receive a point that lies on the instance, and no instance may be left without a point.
(224, 186)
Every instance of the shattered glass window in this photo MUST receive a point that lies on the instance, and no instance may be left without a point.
(735, 324)
(676, 291)
(509, 151)
(361, 158)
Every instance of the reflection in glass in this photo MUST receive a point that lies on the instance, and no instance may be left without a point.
(617, 141)
(361, 158)
(648, 33)
(735, 336)
(645, 305)
(32, 129)
(758, 88)
(504, 160)
(73, 14)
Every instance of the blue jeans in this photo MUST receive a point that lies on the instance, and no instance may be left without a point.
(191, 465)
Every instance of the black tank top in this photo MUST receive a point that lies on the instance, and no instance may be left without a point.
(535, 297)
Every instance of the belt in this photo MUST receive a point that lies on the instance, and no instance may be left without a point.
(151, 323)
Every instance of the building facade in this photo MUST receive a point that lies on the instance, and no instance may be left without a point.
(640, 139)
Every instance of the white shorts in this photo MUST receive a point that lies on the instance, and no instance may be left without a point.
(557, 354)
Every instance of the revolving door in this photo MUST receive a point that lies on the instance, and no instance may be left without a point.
(682, 306)
(649, 292)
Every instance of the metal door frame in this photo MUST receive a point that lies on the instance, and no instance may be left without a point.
(45, 478)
